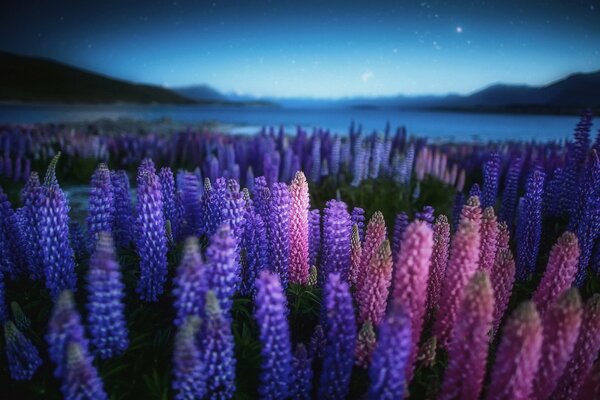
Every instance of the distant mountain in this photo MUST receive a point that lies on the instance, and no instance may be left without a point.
(201, 92)
(31, 79)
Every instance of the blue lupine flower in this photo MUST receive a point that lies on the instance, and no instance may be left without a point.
(491, 181)
(217, 348)
(221, 267)
(510, 193)
(190, 198)
(400, 225)
(255, 252)
(302, 374)
(151, 238)
(32, 198)
(81, 380)
(358, 217)
(101, 204)
(106, 320)
(188, 379)
(274, 332)
(124, 222)
(10, 251)
(341, 340)
(172, 206)
(459, 202)
(23, 357)
(190, 284)
(278, 232)
(336, 240)
(426, 215)
(78, 240)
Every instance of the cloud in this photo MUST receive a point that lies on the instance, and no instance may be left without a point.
(366, 76)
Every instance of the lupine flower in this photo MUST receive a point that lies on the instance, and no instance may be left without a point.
(373, 294)
(489, 239)
(302, 374)
(358, 217)
(190, 283)
(3, 309)
(172, 205)
(503, 279)
(106, 321)
(462, 264)
(271, 315)
(584, 354)
(32, 198)
(471, 211)
(317, 343)
(23, 358)
(81, 380)
(124, 221)
(518, 355)
(374, 237)
(459, 202)
(217, 348)
(21, 320)
(336, 240)
(529, 225)
(439, 261)
(221, 267)
(355, 256)
(560, 272)
(53, 230)
(426, 215)
(78, 240)
(503, 236)
(561, 325)
(10, 253)
(188, 380)
(64, 327)
(279, 231)
(400, 224)
(314, 235)
(192, 208)
(234, 211)
(411, 273)
(341, 340)
(590, 389)
(151, 239)
(391, 356)
(255, 255)
(469, 341)
(299, 245)
(511, 189)
(491, 181)
(365, 344)
(475, 191)
(101, 204)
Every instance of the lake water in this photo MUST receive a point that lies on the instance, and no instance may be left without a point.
(432, 124)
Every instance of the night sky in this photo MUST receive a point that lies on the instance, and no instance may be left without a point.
(313, 48)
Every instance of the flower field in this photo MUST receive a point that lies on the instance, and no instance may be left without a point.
(298, 265)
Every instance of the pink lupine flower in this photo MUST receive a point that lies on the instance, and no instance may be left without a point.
(375, 235)
(518, 355)
(585, 353)
(503, 236)
(468, 347)
(372, 296)
(355, 256)
(560, 272)
(472, 211)
(561, 325)
(503, 279)
(590, 389)
(460, 183)
(489, 239)
(439, 261)
(365, 343)
(299, 267)
(411, 273)
(462, 264)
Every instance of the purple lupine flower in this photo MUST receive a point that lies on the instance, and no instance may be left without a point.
(81, 380)
(400, 224)
(426, 215)
(376, 234)
(575, 161)
(317, 344)
(390, 357)
(217, 348)
(336, 240)
(561, 325)
(365, 344)
(172, 205)
(439, 261)
(314, 236)
(475, 191)
(23, 358)
(358, 217)
(78, 240)
(341, 340)
(10, 252)
(221, 267)
(373, 294)
(590, 389)
(459, 202)
(302, 374)
(315, 171)
(32, 198)
(489, 239)
(53, 230)
(101, 204)
(278, 231)
(188, 380)
(106, 320)
(255, 256)
(190, 199)
(491, 180)
(299, 230)
(271, 316)
(235, 208)
(503, 279)
(214, 203)
(584, 354)
(529, 226)
(64, 327)
(190, 283)
(518, 355)
(511, 189)
(151, 238)
(124, 221)
(552, 192)
(469, 341)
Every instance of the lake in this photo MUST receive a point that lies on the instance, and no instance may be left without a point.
(432, 124)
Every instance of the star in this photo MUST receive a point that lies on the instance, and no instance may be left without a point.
(459, 29)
